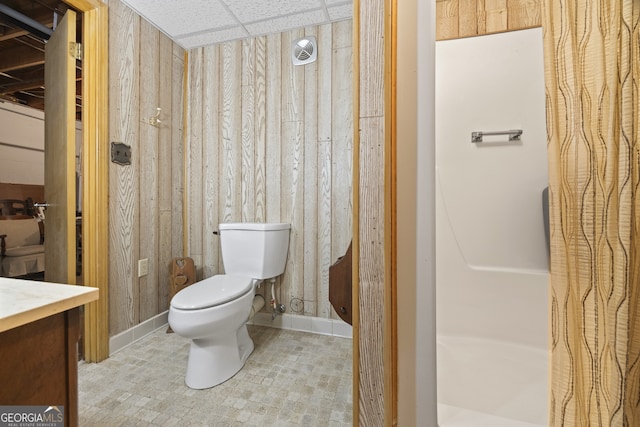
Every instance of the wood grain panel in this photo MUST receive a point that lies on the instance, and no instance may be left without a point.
(195, 165)
(371, 53)
(165, 133)
(230, 201)
(310, 199)
(447, 21)
(273, 128)
(177, 151)
(274, 125)
(248, 66)
(342, 137)
(495, 15)
(325, 107)
(259, 126)
(149, 135)
(211, 137)
(372, 271)
(464, 18)
(342, 142)
(467, 18)
(524, 14)
(292, 202)
(124, 121)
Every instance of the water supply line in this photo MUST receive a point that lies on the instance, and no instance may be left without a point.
(276, 308)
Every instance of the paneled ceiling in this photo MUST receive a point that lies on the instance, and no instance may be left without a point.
(196, 23)
(190, 23)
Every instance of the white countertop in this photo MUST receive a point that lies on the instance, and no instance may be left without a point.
(25, 301)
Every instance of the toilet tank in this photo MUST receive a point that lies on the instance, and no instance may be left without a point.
(256, 250)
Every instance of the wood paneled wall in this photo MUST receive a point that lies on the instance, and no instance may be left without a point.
(272, 142)
(465, 18)
(372, 325)
(145, 197)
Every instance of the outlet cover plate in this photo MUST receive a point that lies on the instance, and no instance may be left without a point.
(143, 267)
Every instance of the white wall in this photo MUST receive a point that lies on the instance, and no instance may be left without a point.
(22, 144)
(492, 262)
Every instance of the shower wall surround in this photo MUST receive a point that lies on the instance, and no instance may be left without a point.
(267, 141)
(492, 263)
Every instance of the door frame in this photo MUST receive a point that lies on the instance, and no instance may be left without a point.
(95, 183)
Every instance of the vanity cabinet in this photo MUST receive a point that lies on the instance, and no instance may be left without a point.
(40, 364)
(39, 333)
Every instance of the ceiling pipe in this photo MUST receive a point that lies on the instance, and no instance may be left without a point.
(26, 23)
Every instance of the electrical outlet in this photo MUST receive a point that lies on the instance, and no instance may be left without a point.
(143, 267)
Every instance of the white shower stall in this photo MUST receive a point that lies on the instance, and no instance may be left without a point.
(492, 259)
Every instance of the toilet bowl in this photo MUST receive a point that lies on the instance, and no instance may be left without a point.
(213, 312)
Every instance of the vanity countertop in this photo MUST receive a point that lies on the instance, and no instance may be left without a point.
(25, 301)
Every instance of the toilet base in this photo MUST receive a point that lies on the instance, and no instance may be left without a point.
(214, 361)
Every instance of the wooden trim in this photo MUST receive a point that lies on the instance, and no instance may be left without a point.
(85, 5)
(95, 136)
(390, 328)
(355, 291)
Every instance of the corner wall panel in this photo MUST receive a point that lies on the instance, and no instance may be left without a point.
(145, 197)
(124, 123)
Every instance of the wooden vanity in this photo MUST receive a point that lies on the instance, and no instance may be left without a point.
(39, 332)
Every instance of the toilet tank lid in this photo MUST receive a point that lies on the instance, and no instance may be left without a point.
(255, 226)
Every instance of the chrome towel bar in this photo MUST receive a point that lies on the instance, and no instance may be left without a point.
(514, 135)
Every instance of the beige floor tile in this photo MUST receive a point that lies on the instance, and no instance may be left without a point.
(292, 378)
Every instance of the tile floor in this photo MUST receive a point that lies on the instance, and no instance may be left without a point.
(291, 379)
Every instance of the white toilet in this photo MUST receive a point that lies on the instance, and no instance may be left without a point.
(213, 312)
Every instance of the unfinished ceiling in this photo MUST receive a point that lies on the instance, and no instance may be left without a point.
(196, 23)
(190, 23)
(22, 51)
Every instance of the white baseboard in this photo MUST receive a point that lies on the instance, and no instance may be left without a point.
(131, 335)
(313, 325)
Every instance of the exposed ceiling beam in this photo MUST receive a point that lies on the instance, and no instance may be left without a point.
(45, 19)
(26, 23)
(20, 57)
(17, 87)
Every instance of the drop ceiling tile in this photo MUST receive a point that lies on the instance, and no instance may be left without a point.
(183, 17)
(338, 13)
(193, 23)
(250, 11)
(204, 39)
(286, 23)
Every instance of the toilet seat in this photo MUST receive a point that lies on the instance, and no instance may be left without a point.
(210, 292)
